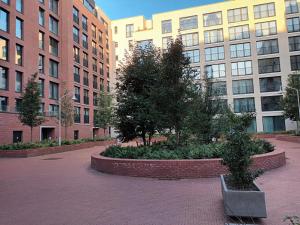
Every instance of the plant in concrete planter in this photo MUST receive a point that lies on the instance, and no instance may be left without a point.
(242, 198)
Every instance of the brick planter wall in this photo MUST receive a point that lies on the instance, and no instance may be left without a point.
(52, 150)
(288, 138)
(176, 169)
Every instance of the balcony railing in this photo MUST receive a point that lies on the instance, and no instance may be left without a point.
(86, 81)
(76, 78)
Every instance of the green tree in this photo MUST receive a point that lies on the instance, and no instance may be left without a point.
(290, 101)
(30, 106)
(103, 111)
(67, 111)
(136, 111)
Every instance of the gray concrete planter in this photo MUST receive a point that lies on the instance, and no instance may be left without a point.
(243, 203)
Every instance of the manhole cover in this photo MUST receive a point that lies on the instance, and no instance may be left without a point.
(52, 158)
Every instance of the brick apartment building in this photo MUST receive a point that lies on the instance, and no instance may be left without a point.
(68, 42)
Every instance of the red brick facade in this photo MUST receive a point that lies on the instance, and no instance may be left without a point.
(176, 169)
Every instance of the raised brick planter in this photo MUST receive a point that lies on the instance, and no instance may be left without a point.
(289, 138)
(176, 169)
(52, 150)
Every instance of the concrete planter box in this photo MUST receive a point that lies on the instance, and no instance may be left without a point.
(243, 203)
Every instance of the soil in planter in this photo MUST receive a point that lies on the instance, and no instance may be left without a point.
(232, 187)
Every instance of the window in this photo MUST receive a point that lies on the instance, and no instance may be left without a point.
(53, 90)
(293, 24)
(101, 69)
(3, 49)
(17, 136)
(196, 72)
(42, 87)
(94, 65)
(3, 104)
(41, 17)
(95, 83)
(19, 55)
(85, 60)
(41, 40)
(53, 110)
(42, 1)
(166, 41)
(94, 48)
(41, 66)
(88, 5)
(291, 6)
(5, 1)
(212, 19)
(241, 68)
(85, 41)
(188, 23)
(3, 78)
(216, 53)
(218, 88)
(189, 40)
(273, 123)
(75, 35)
(267, 47)
(19, 5)
(213, 36)
(100, 36)
(76, 55)
(270, 65)
(76, 118)
(166, 26)
(85, 78)
(129, 30)
(18, 103)
(76, 74)
(237, 15)
(294, 43)
(295, 62)
(53, 25)
(242, 87)
(240, 50)
(75, 15)
(94, 31)
(86, 97)
(86, 116)
(53, 47)
(239, 32)
(144, 44)
(84, 23)
(215, 71)
(264, 10)
(101, 84)
(19, 82)
(116, 29)
(270, 84)
(243, 105)
(4, 20)
(19, 28)
(53, 6)
(253, 126)
(193, 55)
(77, 94)
(42, 109)
(266, 28)
(53, 68)
(271, 103)
(108, 86)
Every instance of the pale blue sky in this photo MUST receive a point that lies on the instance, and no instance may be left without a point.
(116, 9)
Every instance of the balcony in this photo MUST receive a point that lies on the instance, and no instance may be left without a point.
(77, 118)
(86, 119)
(86, 100)
(76, 19)
(85, 81)
(76, 78)
(85, 63)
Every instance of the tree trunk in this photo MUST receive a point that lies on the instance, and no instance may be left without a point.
(31, 134)
(144, 139)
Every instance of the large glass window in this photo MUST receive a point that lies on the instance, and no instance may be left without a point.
(237, 15)
(295, 62)
(41, 64)
(76, 74)
(75, 15)
(243, 105)
(270, 65)
(271, 103)
(41, 17)
(4, 25)
(216, 53)
(85, 60)
(53, 47)
(218, 88)
(19, 5)
(241, 68)
(19, 82)
(239, 32)
(267, 47)
(264, 10)
(215, 71)
(75, 35)
(53, 110)
(53, 90)
(212, 19)
(86, 116)
(53, 68)
(242, 87)
(240, 50)
(41, 40)
(213, 36)
(266, 28)
(42, 87)
(273, 123)
(53, 6)
(3, 49)
(53, 25)
(188, 23)
(293, 24)
(77, 94)
(193, 55)
(166, 41)
(129, 30)
(19, 55)
(84, 23)
(86, 99)
(76, 114)
(3, 104)
(270, 84)
(291, 6)
(3, 78)
(76, 55)
(189, 40)
(166, 26)
(19, 28)
(294, 43)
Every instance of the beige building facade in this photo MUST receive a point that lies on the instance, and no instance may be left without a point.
(246, 48)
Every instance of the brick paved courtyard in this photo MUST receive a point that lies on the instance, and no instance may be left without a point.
(61, 189)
